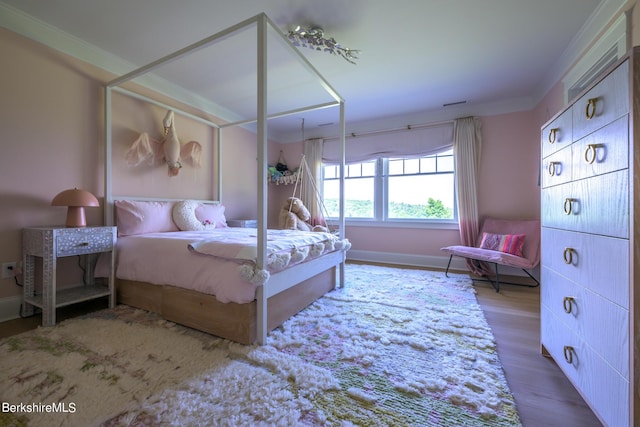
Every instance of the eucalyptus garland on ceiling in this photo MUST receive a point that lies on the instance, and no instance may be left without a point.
(313, 38)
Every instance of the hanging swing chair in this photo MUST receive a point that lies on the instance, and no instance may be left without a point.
(319, 213)
(313, 199)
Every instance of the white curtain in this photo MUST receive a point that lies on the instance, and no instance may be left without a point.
(309, 191)
(467, 148)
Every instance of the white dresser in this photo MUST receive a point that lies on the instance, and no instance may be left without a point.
(590, 253)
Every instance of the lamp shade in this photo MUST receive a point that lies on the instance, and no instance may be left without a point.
(76, 200)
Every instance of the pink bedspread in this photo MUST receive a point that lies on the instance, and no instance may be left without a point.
(193, 259)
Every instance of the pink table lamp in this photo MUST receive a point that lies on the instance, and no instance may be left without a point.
(76, 200)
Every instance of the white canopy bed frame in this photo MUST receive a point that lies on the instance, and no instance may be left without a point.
(286, 292)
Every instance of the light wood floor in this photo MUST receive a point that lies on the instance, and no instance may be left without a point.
(544, 396)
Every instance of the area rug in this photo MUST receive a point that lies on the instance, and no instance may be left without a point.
(395, 347)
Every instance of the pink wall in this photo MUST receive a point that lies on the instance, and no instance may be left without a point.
(508, 183)
(50, 139)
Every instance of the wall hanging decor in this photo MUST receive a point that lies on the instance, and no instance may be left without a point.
(168, 150)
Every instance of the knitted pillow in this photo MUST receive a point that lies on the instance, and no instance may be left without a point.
(507, 243)
(184, 215)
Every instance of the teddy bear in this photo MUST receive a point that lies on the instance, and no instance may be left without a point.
(294, 216)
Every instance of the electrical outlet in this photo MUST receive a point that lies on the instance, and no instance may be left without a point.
(9, 269)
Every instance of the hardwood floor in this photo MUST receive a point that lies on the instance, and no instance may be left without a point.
(17, 326)
(544, 396)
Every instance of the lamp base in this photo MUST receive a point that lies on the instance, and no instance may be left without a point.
(76, 217)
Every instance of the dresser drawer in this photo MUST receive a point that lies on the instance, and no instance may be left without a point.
(604, 103)
(603, 204)
(552, 209)
(557, 134)
(598, 205)
(606, 391)
(556, 168)
(78, 241)
(598, 321)
(596, 262)
(605, 150)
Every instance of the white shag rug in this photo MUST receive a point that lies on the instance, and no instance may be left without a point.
(394, 347)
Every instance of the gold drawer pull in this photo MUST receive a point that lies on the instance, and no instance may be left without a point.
(590, 153)
(567, 304)
(590, 110)
(567, 255)
(568, 206)
(552, 135)
(552, 168)
(568, 354)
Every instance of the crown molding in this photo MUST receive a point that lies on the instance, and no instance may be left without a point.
(21, 23)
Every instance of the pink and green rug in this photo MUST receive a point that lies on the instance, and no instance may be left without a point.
(395, 347)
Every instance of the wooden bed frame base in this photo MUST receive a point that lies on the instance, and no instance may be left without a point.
(236, 322)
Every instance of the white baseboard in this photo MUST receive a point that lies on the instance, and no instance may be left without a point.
(428, 261)
(437, 262)
(10, 307)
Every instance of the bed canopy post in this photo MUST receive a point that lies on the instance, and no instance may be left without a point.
(261, 298)
(107, 203)
(218, 162)
(341, 222)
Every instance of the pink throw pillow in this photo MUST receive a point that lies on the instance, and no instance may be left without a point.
(137, 217)
(507, 243)
(211, 214)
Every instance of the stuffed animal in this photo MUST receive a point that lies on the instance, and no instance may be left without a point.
(294, 216)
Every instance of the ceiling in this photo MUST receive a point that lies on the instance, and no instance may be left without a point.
(416, 55)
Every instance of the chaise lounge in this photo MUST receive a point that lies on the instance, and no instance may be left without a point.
(512, 243)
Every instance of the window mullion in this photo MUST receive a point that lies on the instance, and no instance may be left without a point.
(382, 189)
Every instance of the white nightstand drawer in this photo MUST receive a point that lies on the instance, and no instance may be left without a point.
(84, 241)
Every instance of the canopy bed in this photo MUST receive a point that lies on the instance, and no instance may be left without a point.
(280, 292)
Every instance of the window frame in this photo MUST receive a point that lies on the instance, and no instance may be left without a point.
(381, 195)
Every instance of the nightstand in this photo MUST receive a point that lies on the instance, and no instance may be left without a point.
(51, 243)
(243, 223)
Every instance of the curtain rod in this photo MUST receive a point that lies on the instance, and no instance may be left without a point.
(392, 130)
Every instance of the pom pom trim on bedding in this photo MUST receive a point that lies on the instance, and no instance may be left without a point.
(284, 248)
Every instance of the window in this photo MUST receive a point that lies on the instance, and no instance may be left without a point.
(359, 189)
(394, 189)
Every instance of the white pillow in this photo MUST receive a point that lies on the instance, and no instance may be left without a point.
(184, 215)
